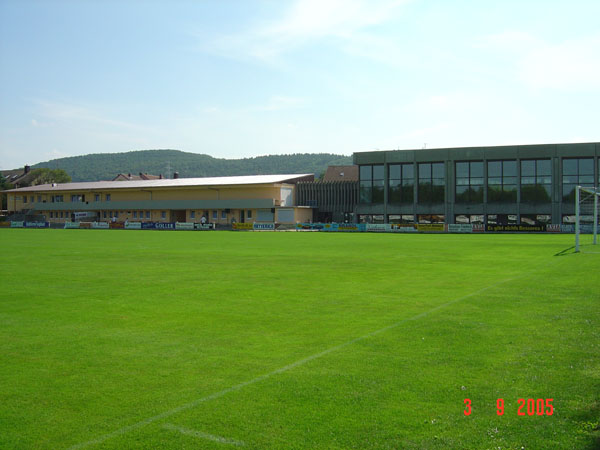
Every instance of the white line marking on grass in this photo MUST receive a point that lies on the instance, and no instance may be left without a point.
(283, 369)
(202, 435)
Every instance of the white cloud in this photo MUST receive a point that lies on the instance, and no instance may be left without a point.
(571, 64)
(278, 103)
(305, 22)
(73, 113)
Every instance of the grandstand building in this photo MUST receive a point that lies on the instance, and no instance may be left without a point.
(520, 184)
(221, 200)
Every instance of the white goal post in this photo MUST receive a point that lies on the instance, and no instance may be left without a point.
(586, 210)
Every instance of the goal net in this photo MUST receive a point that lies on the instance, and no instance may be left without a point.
(586, 214)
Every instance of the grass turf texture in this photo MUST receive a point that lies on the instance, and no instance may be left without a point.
(101, 330)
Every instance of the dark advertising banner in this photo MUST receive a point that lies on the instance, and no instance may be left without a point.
(158, 225)
(117, 226)
(264, 226)
(521, 228)
(36, 224)
(164, 226)
(310, 226)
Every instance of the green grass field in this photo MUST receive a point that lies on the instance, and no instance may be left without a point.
(149, 339)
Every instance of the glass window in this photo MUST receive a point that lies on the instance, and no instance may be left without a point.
(147, 214)
(24, 199)
(135, 214)
(469, 182)
(535, 219)
(395, 171)
(96, 197)
(371, 184)
(163, 214)
(502, 219)
(528, 168)
(536, 181)
(509, 168)
(108, 197)
(576, 171)
(215, 215)
(431, 218)
(401, 183)
(431, 183)
(378, 172)
(223, 214)
(249, 214)
(192, 214)
(366, 172)
(502, 181)
(494, 169)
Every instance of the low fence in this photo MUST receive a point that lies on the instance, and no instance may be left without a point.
(309, 226)
(441, 228)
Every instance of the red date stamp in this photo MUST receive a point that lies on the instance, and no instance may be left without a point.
(526, 407)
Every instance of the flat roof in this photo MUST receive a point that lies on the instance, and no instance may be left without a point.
(169, 183)
(478, 147)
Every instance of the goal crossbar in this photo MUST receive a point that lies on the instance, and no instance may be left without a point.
(583, 194)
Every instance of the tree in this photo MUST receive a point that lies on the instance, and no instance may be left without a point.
(47, 176)
(4, 185)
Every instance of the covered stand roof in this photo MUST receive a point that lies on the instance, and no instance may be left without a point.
(169, 183)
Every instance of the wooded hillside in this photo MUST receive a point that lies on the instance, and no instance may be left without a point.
(105, 166)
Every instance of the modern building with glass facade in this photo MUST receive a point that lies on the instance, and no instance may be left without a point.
(518, 184)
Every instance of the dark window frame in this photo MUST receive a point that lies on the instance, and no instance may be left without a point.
(536, 192)
(401, 188)
(371, 189)
(430, 189)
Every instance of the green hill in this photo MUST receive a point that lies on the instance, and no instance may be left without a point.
(105, 166)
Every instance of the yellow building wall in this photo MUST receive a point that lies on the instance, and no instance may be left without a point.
(16, 203)
(217, 193)
(303, 215)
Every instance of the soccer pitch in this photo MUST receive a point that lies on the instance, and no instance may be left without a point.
(142, 339)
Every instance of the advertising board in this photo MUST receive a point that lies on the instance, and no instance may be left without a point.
(100, 225)
(36, 224)
(243, 226)
(460, 228)
(133, 225)
(429, 227)
(264, 226)
(402, 228)
(184, 225)
(519, 228)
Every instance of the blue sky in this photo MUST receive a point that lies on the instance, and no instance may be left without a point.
(246, 78)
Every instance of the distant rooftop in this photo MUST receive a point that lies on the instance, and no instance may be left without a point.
(141, 176)
(341, 173)
(166, 183)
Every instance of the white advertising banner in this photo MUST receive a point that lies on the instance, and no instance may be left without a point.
(460, 228)
(379, 227)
